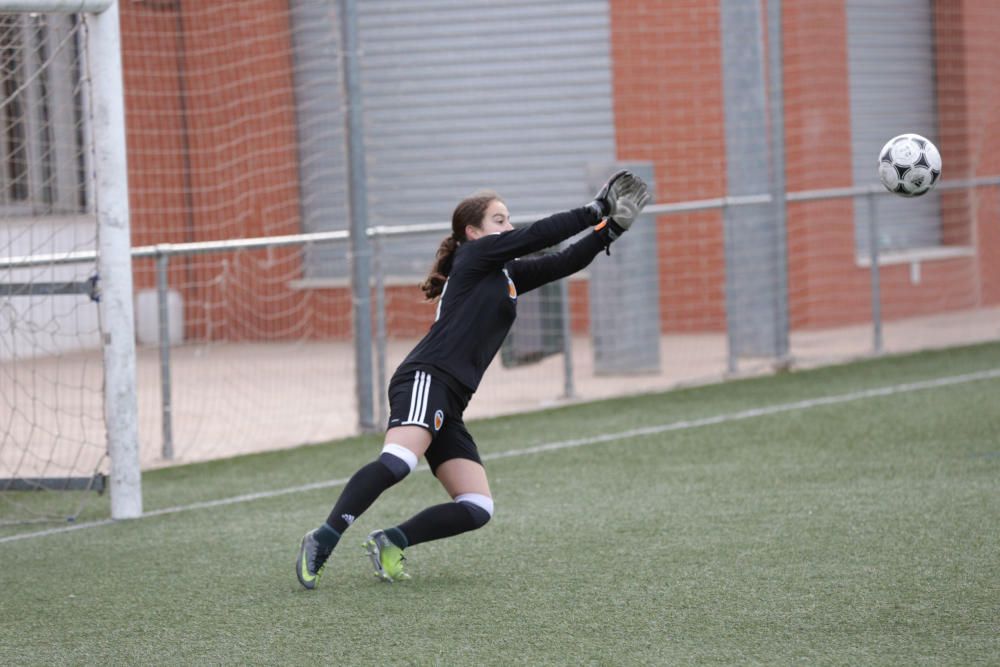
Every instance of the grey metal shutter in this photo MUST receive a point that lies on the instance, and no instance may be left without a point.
(892, 86)
(459, 95)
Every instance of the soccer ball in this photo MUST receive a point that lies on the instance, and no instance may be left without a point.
(909, 165)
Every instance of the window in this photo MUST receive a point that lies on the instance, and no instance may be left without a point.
(41, 132)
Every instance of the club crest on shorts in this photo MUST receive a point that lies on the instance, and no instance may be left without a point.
(438, 420)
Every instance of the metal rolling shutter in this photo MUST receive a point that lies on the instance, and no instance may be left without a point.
(461, 95)
(891, 64)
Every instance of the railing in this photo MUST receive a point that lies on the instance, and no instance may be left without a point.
(715, 203)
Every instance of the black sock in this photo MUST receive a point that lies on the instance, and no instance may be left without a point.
(360, 492)
(327, 536)
(439, 521)
(397, 537)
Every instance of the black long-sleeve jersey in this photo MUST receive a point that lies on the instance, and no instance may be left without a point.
(478, 303)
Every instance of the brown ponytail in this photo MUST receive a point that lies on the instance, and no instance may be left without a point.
(442, 267)
(470, 211)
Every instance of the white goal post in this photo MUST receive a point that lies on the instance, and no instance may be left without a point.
(108, 183)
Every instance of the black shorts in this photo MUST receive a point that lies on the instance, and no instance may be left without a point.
(419, 399)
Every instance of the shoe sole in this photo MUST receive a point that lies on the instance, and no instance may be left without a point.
(373, 554)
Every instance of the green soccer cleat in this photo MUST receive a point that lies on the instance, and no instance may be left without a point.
(386, 557)
(311, 561)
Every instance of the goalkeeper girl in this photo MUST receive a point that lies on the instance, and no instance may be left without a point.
(476, 278)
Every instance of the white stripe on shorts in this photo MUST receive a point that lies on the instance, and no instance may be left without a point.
(413, 396)
(418, 399)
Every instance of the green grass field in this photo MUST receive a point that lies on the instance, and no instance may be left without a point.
(860, 531)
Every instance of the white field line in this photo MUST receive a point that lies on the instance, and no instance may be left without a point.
(681, 425)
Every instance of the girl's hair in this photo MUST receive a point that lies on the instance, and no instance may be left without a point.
(470, 211)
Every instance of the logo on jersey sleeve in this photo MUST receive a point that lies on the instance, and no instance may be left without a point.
(438, 420)
(511, 290)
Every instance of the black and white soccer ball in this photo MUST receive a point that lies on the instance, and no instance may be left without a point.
(909, 165)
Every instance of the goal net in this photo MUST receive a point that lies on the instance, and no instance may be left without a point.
(52, 430)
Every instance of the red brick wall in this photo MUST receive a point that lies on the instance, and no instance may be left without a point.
(668, 109)
(824, 286)
(217, 162)
(981, 44)
(153, 132)
(667, 74)
(953, 110)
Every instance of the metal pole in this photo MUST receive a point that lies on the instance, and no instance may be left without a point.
(114, 261)
(729, 248)
(360, 253)
(187, 170)
(166, 392)
(380, 330)
(777, 109)
(875, 277)
(569, 388)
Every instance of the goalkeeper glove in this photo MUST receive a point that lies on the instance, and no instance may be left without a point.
(604, 201)
(621, 199)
